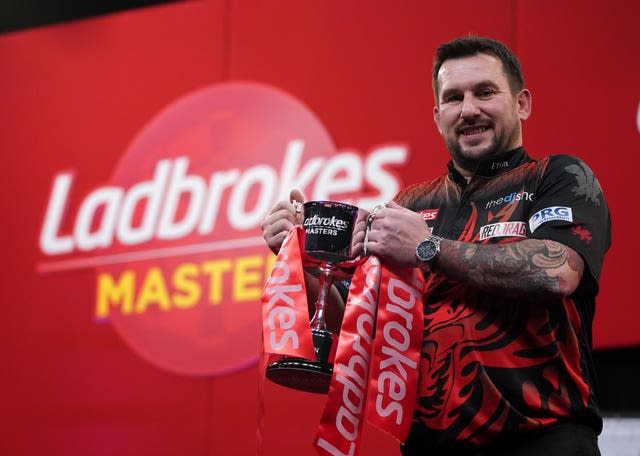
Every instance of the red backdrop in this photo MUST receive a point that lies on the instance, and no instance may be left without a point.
(74, 96)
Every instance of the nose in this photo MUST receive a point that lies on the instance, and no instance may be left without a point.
(469, 107)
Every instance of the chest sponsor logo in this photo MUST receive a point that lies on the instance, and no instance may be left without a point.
(503, 229)
(510, 198)
(429, 214)
(549, 214)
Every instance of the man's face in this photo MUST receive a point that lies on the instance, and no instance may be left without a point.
(477, 114)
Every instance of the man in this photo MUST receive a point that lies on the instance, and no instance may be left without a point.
(511, 250)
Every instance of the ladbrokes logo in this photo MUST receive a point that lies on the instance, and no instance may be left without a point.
(325, 225)
(174, 236)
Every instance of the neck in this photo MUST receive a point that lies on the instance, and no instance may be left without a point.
(467, 174)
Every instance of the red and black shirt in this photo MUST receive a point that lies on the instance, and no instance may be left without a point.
(495, 367)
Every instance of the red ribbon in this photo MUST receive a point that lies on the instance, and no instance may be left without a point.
(375, 372)
(396, 353)
(285, 316)
(341, 424)
(375, 378)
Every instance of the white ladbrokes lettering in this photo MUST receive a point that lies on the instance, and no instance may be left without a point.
(114, 207)
(282, 315)
(394, 367)
(331, 222)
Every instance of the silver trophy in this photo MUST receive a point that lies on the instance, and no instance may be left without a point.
(328, 231)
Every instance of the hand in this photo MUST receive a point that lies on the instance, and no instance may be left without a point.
(283, 216)
(357, 240)
(394, 234)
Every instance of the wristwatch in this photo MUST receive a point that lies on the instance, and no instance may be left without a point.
(428, 250)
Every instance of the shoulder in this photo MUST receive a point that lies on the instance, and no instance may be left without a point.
(564, 161)
(569, 166)
(418, 191)
(564, 165)
(569, 173)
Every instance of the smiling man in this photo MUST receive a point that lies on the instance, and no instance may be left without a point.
(479, 109)
(511, 249)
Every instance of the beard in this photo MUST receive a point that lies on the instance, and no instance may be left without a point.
(470, 159)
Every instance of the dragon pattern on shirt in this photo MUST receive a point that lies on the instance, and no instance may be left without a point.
(494, 365)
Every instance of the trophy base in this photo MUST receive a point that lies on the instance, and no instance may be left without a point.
(301, 374)
(304, 374)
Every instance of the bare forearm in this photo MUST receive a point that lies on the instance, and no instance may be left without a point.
(531, 267)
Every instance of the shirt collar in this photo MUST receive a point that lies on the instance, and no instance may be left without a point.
(493, 166)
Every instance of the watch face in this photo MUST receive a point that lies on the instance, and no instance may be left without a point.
(427, 250)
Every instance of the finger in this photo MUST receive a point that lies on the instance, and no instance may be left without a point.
(357, 250)
(378, 212)
(297, 198)
(279, 225)
(283, 212)
(278, 207)
(275, 233)
(276, 242)
(357, 244)
(370, 234)
(362, 215)
(393, 209)
(371, 248)
(358, 238)
(296, 195)
(361, 224)
(275, 229)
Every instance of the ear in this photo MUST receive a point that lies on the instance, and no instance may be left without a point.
(436, 118)
(524, 104)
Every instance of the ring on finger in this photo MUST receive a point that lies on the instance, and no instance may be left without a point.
(372, 215)
(370, 220)
(364, 243)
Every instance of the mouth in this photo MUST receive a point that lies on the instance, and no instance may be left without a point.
(473, 130)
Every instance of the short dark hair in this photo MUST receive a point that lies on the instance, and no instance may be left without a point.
(472, 45)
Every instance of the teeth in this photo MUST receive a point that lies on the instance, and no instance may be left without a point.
(474, 130)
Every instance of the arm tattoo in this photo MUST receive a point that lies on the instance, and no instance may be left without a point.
(531, 266)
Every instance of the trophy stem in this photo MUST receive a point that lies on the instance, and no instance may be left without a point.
(319, 319)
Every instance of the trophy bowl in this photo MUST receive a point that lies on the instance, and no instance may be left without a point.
(328, 229)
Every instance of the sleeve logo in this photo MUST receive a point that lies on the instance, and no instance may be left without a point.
(587, 184)
(549, 214)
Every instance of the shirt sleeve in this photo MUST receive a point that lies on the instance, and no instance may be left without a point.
(570, 208)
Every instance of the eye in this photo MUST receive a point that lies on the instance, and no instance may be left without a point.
(485, 93)
(452, 98)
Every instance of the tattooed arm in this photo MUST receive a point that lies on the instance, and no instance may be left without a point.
(531, 266)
